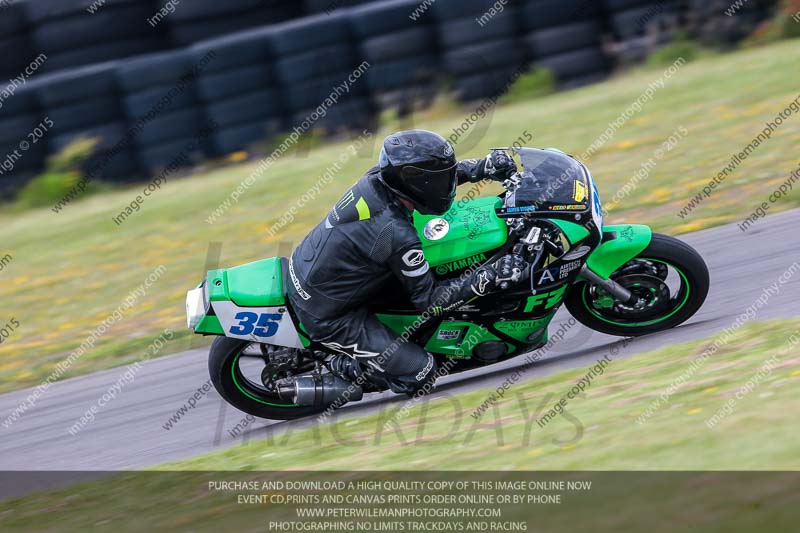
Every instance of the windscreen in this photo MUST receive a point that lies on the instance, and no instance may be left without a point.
(550, 181)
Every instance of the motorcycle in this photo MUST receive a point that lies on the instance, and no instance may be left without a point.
(621, 280)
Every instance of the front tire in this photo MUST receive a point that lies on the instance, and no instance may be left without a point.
(243, 393)
(647, 276)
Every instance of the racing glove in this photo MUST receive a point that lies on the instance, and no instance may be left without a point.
(508, 269)
(497, 166)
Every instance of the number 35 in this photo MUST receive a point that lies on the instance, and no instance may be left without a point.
(264, 325)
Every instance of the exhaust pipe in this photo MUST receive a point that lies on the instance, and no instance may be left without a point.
(325, 390)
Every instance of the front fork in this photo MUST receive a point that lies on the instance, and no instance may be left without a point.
(619, 292)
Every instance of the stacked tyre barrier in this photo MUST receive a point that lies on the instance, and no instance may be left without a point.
(167, 83)
(20, 114)
(321, 73)
(313, 7)
(402, 53)
(71, 36)
(196, 20)
(564, 36)
(159, 95)
(639, 26)
(239, 90)
(723, 22)
(482, 52)
(84, 103)
(15, 46)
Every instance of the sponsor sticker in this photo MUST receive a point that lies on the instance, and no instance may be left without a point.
(580, 192)
(436, 229)
(567, 268)
(549, 275)
(448, 334)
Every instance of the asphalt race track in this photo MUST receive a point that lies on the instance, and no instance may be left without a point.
(129, 432)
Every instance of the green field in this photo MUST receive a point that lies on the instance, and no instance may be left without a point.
(601, 433)
(70, 270)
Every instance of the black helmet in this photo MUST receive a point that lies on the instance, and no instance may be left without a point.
(420, 166)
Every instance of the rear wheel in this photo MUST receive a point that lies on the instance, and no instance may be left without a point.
(670, 280)
(239, 370)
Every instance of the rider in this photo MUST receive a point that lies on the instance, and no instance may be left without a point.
(368, 238)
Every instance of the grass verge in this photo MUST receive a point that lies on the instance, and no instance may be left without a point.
(600, 433)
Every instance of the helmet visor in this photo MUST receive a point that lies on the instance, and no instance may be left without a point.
(431, 191)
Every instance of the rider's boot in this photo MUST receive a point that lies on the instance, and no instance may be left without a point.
(347, 368)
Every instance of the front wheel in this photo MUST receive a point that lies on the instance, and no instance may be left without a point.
(237, 371)
(670, 280)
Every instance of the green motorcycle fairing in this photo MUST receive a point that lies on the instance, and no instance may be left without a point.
(248, 301)
(620, 244)
(469, 229)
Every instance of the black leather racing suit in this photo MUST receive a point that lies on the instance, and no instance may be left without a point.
(367, 239)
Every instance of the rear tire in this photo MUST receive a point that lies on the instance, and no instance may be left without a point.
(222, 358)
(664, 250)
